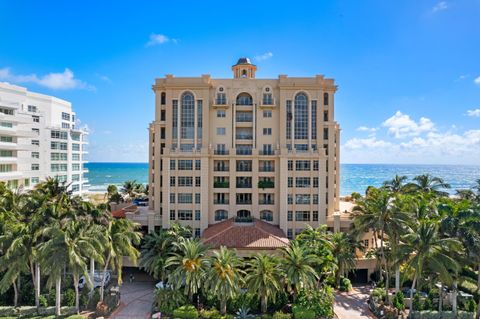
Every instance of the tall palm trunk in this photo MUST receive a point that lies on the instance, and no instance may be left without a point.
(387, 284)
(223, 305)
(77, 294)
(35, 272)
(92, 269)
(58, 295)
(397, 279)
(478, 291)
(440, 299)
(410, 308)
(263, 303)
(454, 298)
(15, 297)
(104, 277)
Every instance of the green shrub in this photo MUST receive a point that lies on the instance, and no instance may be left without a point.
(228, 316)
(68, 311)
(281, 315)
(428, 314)
(167, 300)
(7, 312)
(209, 313)
(378, 293)
(345, 284)
(76, 317)
(68, 297)
(186, 312)
(51, 297)
(417, 302)
(320, 301)
(303, 313)
(244, 300)
(46, 311)
(265, 316)
(469, 305)
(399, 301)
(42, 299)
(26, 311)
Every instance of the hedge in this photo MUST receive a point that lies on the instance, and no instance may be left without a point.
(302, 313)
(445, 315)
(7, 312)
(186, 312)
(281, 315)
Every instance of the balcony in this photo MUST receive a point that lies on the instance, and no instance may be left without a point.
(244, 185)
(267, 103)
(244, 136)
(244, 220)
(221, 152)
(266, 184)
(266, 202)
(244, 202)
(240, 151)
(266, 152)
(217, 103)
(267, 169)
(221, 169)
(218, 201)
(244, 117)
(221, 184)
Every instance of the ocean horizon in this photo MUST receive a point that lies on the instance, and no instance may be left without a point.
(353, 177)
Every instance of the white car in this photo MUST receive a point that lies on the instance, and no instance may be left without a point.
(97, 279)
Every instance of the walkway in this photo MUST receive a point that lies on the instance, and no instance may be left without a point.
(136, 299)
(353, 305)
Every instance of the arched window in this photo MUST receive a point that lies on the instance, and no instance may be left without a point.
(221, 214)
(301, 116)
(244, 73)
(266, 215)
(244, 99)
(187, 116)
(243, 213)
(163, 98)
(325, 98)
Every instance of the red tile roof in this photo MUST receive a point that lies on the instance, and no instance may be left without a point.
(118, 213)
(257, 235)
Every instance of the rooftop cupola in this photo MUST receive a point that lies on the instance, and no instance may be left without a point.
(244, 69)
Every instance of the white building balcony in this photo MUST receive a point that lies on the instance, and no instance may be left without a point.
(5, 176)
(8, 160)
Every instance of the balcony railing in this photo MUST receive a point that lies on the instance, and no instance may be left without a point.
(221, 101)
(221, 201)
(221, 184)
(244, 117)
(244, 136)
(246, 219)
(220, 152)
(244, 168)
(267, 101)
(244, 202)
(244, 151)
(266, 152)
(266, 184)
(266, 169)
(244, 185)
(266, 202)
(221, 169)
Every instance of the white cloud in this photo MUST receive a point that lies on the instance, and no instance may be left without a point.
(156, 39)
(362, 143)
(477, 81)
(401, 125)
(442, 5)
(367, 129)
(57, 81)
(103, 78)
(474, 113)
(264, 56)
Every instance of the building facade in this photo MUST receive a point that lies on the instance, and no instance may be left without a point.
(244, 148)
(40, 138)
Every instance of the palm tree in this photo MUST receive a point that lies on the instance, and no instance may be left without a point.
(425, 246)
(264, 278)
(343, 250)
(130, 189)
(156, 248)
(427, 183)
(225, 276)
(396, 185)
(299, 267)
(121, 237)
(190, 265)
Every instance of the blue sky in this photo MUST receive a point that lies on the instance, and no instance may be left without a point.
(408, 71)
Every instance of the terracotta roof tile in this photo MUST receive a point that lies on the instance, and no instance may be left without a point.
(257, 235)
(118, 213)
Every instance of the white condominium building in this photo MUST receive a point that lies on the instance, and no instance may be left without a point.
(40, 138)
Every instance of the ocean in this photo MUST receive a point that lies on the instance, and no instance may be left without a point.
(353, 177)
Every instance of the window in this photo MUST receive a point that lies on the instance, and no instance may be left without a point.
(267, 131)
(35, 155)
(75, 188)
(199, 118)
(185, 198)
(267, 149)
(65, 116)
(315, 199)
(6, 111)
(290, 182)
(302, 216)
(267, 114)
(172, 181)
(197, 181)
(267, 99)
(301, 116)
(197, 215)
(221, 113)
(244, 99)
(36, 130)
(197, 198)
(184, 214)
(244, 182)
(242, 116)
(185, 165)
(187, 116)
(221, 215)
(244, 198)
(75, 157)
(289, 233)
(266, 166)
(315, 182)
(266, 215)
(302, 182)
(36, 142)
(197, 232)
(172, 198)
(65, 125)
(4, 168)
(184, 181)
(315, 215)
(172, 165)
(198, 164)
(32, 108)
(289, 199)
(5, 153)
(325, 133)
(75, 177)
(7, 139)
(315, 165)
(325, 116)
(75, 167)
(59, 134)
(58, 167)
(290, 216)
(221, 99)
(243, 213)
(174, 118)
(289, 118)
(290, 165)
(172, 214)
(36, 119)
(35, 180)
(76, 147)
(61, 178)
(302, 199)
(221, 131)
(302, 165)
(58, 146)
(325, 98)
(314, 119)
(244, 166)
(58, 156)
(163, 98)
(6, 124)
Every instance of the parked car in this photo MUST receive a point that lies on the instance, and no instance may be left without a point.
(406, 292)
(97, 279)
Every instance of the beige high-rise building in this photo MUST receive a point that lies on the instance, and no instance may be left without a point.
(226, 154)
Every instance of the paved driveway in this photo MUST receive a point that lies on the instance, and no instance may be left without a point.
(135, 299)
(353, 305)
